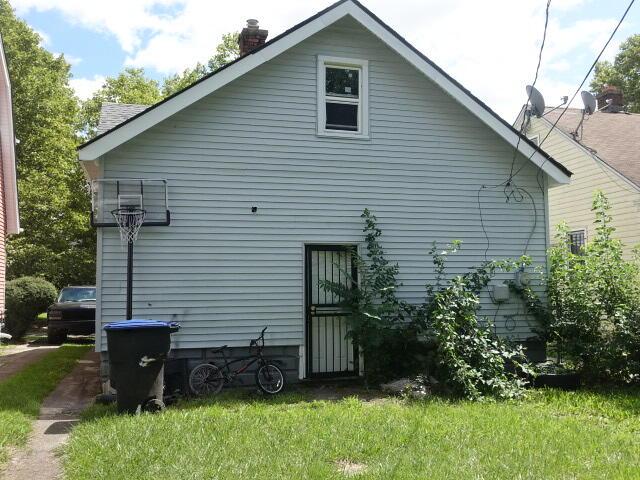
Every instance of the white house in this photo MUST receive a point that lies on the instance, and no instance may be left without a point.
(270, 162)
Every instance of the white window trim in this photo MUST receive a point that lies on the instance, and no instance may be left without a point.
(363, 112)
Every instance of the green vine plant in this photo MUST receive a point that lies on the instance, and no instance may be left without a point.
(441, 339)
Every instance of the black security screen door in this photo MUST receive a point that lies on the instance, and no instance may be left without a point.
(329, 353)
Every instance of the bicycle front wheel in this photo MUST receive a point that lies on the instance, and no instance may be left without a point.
(206, 379)
(270, 379)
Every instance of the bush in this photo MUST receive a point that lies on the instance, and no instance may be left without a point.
(441, 338)
(594, 303)
(26, 298)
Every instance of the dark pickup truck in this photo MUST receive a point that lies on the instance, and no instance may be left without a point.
(74, 313)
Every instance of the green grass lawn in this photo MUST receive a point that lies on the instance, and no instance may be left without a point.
(551, 435)
(22, 393)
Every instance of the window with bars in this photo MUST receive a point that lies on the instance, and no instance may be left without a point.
(577, 240)
(342, 97)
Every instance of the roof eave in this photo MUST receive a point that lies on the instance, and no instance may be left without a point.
(153, 115)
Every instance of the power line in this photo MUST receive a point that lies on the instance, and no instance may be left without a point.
(516, 193)
(586, 77)
(535, 79)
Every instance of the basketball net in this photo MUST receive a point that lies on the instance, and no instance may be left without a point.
(129, 221)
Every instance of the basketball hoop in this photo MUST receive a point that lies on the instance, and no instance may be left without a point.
(129, 204)
(129, 221)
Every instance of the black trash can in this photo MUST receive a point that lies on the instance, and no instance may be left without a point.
(137, 352)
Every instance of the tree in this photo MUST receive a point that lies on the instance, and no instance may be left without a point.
(133, 86)
(130, 86)
(57, 242)
(623, 73)
(226, 51)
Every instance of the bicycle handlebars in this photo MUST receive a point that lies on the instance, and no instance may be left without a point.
(256, 342)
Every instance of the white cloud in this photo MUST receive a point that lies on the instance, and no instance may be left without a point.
(72, 59)
(491, 47)
(84, 87)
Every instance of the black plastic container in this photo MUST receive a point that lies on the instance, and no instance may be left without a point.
(137, 352)
(564, 381)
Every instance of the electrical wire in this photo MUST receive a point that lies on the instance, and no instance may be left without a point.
(533, 84)
(511, 190)
(584, 80)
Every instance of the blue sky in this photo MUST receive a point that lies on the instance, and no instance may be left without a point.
(490, 46)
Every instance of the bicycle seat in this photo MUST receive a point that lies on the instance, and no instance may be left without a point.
(219, 349)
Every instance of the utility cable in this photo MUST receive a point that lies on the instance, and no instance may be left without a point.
(584, 80)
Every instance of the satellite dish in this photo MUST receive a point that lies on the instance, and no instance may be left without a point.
(589, 102)
(537, 101)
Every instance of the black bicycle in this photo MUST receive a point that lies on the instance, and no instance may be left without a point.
(209, 378)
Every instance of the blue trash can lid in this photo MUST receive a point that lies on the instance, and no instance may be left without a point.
(136, 324)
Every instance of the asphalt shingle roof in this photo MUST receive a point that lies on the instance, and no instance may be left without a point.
(112, 114)
(613, 137)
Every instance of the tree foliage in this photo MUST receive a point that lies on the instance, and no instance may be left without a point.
(130, 86)
(133, 86)
(624, 73)
(57, 241)
(594, 303)
(227, 51)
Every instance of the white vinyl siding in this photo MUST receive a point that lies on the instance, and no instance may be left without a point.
(224, 272)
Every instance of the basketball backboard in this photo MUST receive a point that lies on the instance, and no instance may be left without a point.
(109, 194)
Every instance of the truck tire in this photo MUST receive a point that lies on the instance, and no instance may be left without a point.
(56, 337)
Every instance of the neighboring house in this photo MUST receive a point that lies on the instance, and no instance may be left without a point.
(604, 154)
(270, 162)
(9, 221)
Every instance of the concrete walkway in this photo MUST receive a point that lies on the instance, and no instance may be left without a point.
(16, 358)
(58, 414)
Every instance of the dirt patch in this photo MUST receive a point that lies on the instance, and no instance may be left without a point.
(58, 414)
(14, 359)
(350, 469)
(337, 392)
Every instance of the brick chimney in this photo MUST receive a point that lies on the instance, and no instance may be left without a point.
(251, 37)
(610, 99)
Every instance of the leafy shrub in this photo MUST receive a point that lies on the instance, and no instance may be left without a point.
(471, 360)
(385, 329)
(592, 320)
(441, 337)
(594, 303)
(26, 297)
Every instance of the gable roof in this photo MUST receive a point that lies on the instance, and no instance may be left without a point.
(8, 150)
(613, 138)
(113, 114)
(137, 124)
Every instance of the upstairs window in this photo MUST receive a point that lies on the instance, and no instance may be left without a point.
(577, 240)
(342, 97)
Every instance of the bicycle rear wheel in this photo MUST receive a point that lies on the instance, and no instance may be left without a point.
(206, 379)
(270, 379)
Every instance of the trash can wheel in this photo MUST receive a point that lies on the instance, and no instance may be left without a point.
(153, 405)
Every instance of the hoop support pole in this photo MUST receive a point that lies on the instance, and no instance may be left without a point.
(129, 280)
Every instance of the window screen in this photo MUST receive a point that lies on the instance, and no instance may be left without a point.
(576, 241)
(342, 82)
(342, 98)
